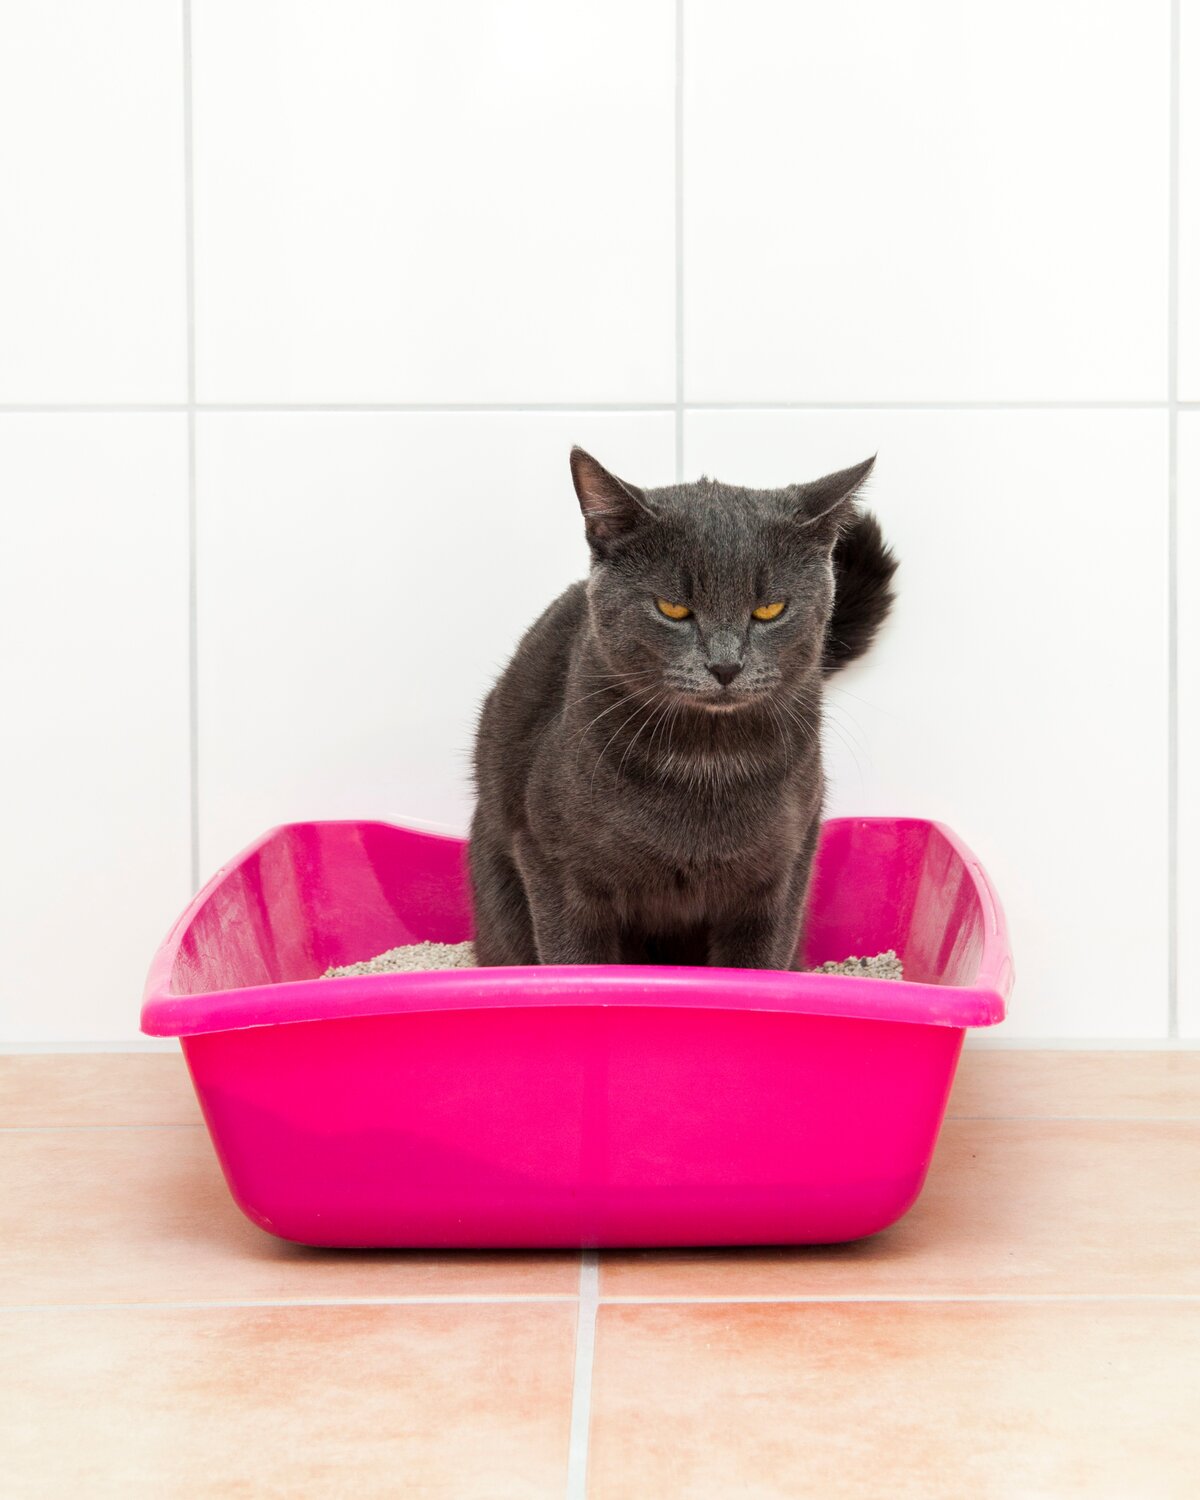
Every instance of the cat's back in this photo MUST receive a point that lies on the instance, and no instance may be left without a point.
(527, 697)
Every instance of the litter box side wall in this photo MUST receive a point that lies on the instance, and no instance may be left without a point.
(575, 1126)
(308, 895)
(912, 885)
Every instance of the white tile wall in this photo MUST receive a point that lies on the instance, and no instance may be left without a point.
(1189, 200)
(91, 202)
(1189, 723)
(94, 753)
(363, 578)
(902, 203)
(449, 203)
(926, 201)
(1020, 692)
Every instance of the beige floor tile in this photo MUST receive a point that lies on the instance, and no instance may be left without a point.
(102, 1088)
(451, 1401)
(1050, 1084)
(1010, 1207)
(933, 1401)
(144, 1216)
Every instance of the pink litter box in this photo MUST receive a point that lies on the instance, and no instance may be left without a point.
(570, 1106)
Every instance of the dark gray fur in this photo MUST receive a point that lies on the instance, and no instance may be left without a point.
(634, 806)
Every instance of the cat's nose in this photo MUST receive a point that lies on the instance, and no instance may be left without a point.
(725, 671)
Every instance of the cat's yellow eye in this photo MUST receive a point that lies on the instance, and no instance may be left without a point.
(673, 611)
(768, 611)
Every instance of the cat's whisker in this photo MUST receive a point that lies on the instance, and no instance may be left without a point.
(671, 718)
(781, 730)
(611, 676)
(621, 763)
(610, 682)
(854, 728)
(813, 728)
(834, 687)
(607, 743)
(603, 714)
(664, 713)
(625, 698)
(833, 724)
(807, 728)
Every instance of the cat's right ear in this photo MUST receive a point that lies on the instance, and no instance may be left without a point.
(611, 507)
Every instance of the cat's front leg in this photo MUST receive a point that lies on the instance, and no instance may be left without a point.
(570, 925)
(764, 938)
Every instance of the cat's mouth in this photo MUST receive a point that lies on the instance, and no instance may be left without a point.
(714, 700)
(725, 701)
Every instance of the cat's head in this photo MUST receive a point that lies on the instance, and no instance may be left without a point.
(715, 594)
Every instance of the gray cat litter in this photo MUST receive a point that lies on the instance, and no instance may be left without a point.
(408, 957)
(412, 956)
(881, 966)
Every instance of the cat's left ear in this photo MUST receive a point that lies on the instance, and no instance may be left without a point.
(611, 506)
(823, 506)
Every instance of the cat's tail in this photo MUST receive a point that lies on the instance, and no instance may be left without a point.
(863, 567)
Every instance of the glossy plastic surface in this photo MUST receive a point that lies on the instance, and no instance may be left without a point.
(573, 1106)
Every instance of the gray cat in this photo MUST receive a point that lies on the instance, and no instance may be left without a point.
(648, 766)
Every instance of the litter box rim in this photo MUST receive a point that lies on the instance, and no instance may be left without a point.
(981, 1003)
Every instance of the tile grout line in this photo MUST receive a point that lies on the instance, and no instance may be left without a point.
(434, 407)
(681, 406)
(433, 1299)
(679, 402)
(133, 1046)
(94, 1129)
(1074, 1119)
(975, 1046)
(190, 294)
(996, 1119)
(983, 406)
(66, 408)
(841, 1299)
(577, 1459)
(1173, 533)
(581, 1389)
(978, 1046)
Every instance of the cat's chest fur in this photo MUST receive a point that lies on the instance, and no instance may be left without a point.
(667, 830)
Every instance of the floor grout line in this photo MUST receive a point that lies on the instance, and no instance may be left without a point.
(139, 1046)
(465, 1299)
(589, 1302)
(1075, 1119)
(997, 1119)
(66, 1129)
(842, 1298)
(581, 1388)
(976, 1045)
